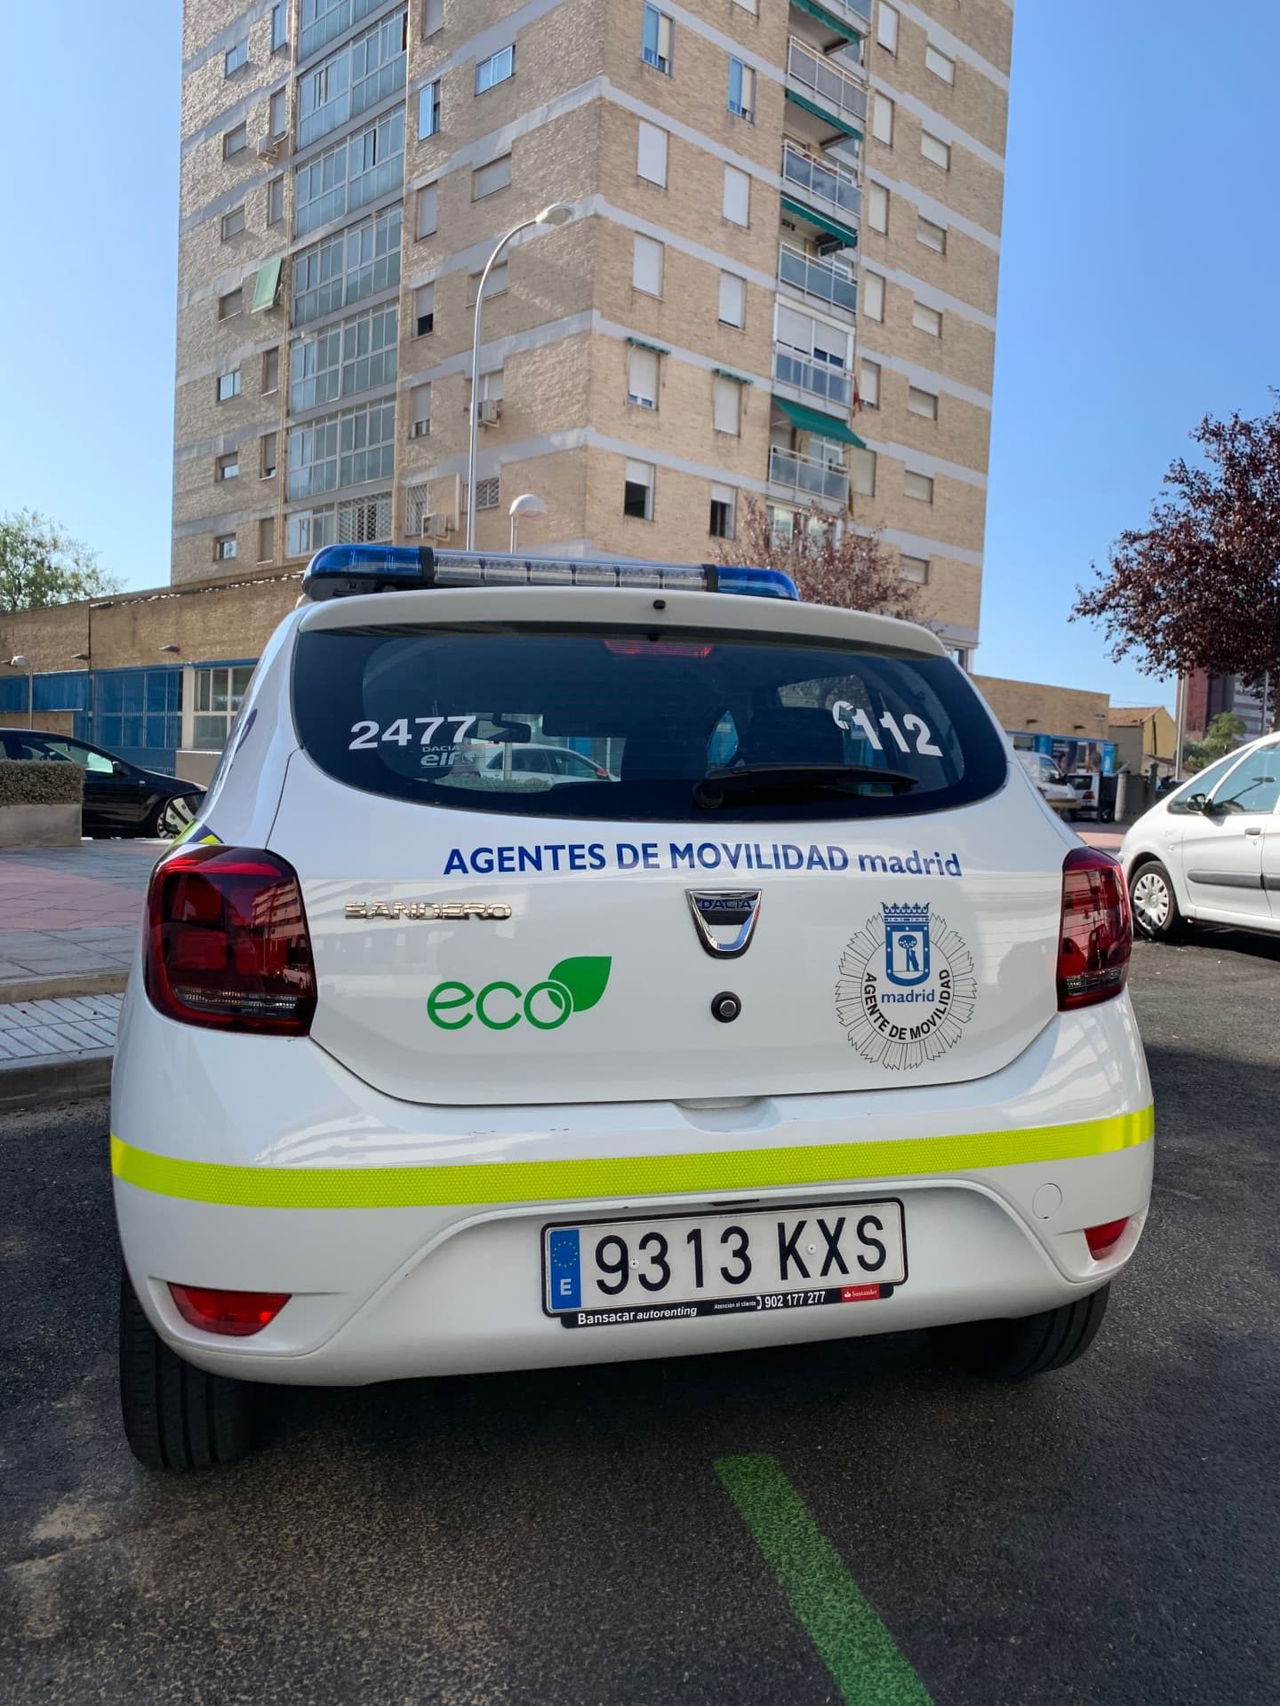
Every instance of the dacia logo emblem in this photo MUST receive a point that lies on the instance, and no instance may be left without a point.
(725, 919)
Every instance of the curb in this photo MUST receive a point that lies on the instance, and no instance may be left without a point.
(65, 983)
(57, 1078)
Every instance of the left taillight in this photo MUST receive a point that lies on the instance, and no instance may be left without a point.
(1096, 935)
(227, 943)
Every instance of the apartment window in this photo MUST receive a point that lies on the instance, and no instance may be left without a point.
(270, 370)
(637, 497)
(862, 472)
(918, 486)
(642, 378)
(349, 449)
(275, 200)
(887, 28)
(218, 696)
(492, 386)
(224, 548)
(432, 17)
(914, 569)
(345, 268)
(278, 112)
(235, 57)
(736, 206)
(939, 64)
(424, 303)
(877, 207)
(935, 149)
(495, 287)
(428, 211)
(926, 319)
(230, 305)
(356, 355)
(651, 153)
(726, 405)
(496, 69)
(869, 384)
(646, 266)
(227, 467)
(488, 179)
(235, 141)
(932, 236)
(420, 401)
(279, 28)
(351, 173)
(429, 109)
(267, 539)
(733, 299)
(228, 385)
(882, 119)
(742, 90)
(752, 6)
(267, 461)
(658, 39)
(872, 302)
(723, 520)
(922, 403)
(488, 492)
(233, 222)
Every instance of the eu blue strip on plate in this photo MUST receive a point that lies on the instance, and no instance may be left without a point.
(565, 1268)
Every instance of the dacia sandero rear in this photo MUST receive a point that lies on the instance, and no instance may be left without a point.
(789, 1013)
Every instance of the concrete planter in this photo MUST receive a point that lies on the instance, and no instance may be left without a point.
(40, 826)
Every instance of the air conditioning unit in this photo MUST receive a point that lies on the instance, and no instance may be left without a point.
(490, 412)
(420, 429)
(436, 527)
(269, 147)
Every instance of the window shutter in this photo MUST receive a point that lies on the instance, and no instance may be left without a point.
(737, 196)
(646, 266)
(651, 153)
(642, 378)
(733, 299)
(727, 406)
(428, 210)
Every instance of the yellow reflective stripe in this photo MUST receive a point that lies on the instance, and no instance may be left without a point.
(621, 1175)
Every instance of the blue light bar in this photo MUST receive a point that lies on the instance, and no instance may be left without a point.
(345, 571)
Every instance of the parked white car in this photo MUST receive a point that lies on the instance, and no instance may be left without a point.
(811, 1024)
(1056, 791)
(1210, 850)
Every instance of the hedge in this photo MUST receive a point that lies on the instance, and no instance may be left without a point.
(31, 782)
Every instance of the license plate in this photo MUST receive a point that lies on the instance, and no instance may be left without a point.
(605, 1273)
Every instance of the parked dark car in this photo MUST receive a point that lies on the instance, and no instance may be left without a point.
(119, 798)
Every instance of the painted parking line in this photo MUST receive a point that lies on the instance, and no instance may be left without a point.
(854, 1644)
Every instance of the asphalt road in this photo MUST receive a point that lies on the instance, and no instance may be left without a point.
(1108, 1535)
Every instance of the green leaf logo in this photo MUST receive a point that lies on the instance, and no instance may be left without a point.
(585, 977)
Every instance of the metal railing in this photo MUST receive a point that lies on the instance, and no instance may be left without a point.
(822, 181)
(806, 476)
(824, 281)
(825, 80)
(832, 384)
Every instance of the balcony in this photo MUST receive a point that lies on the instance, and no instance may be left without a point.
(825, 89)
(849, 18)
(828, 282)
(830, 385)
(805, 478)
(830, 189)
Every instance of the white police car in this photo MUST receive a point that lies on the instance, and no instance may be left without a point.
(811, 1023)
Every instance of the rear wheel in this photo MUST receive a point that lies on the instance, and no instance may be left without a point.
(177, 1417)
(171, 817)
(1155, 906)
(1015, 1350)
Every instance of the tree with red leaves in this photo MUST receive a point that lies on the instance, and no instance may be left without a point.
(1199, 587)
(829, 562)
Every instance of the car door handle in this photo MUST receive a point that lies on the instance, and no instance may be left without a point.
(1253, 829)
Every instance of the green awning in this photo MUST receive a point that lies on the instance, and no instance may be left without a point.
(842, 124)
(843, 28)
(266, 286)
(814, 421)
(728, 373)
(846, 233)
(643, 343)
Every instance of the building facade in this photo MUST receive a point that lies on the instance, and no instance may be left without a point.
(777, 282)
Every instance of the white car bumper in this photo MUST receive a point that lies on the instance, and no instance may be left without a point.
(409, 1237)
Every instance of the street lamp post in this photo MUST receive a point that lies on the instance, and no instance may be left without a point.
(558, 213)
(22, 661)
(528, 503)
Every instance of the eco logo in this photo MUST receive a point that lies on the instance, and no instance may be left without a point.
(906, 987)
(570, 987)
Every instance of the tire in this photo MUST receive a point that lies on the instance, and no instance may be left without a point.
(177, 1417)
(1155, 905)
(171, 817)
(1016, 1350)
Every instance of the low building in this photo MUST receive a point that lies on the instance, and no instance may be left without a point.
(1071, 724)
(1145, 737)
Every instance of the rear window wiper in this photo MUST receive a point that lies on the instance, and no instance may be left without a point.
(791, 781)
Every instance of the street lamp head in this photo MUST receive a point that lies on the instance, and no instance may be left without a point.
(19, 662)
(528, 503)
(559, 213)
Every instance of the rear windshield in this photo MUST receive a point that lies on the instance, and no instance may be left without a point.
(626, 725)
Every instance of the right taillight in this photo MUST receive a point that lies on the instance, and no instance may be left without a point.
(1096, 937)
(227, 944)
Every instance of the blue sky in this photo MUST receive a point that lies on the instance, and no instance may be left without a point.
(1140, 259)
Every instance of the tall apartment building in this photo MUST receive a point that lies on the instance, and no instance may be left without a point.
(779, 277)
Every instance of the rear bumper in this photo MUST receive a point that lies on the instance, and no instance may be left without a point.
(271, 1180)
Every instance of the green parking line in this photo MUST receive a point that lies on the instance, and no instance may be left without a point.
(854, 1644)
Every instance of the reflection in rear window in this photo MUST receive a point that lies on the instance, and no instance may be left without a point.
(621, 725)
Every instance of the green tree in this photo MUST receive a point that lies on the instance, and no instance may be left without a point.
(40, 564)
(1224, 734)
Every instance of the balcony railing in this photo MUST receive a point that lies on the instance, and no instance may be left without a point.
(855, 12)
(816, 379)
(818, 180)
(825, 281)
(825, 81)
(807, 477)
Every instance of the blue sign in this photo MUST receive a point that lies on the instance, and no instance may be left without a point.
(906, 944)
(564, 1268)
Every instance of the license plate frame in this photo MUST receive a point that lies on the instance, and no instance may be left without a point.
(678, 1306)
